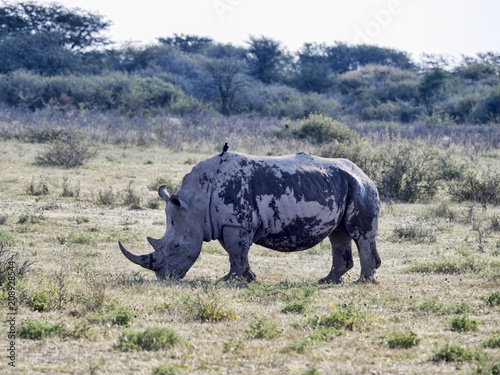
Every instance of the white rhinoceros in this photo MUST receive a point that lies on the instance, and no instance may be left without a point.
(287, 203)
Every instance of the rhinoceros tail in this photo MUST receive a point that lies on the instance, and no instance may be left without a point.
(148, 261)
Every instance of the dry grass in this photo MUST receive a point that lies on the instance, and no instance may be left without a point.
(81, 280)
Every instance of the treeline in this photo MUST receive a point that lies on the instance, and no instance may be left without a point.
(55, 57)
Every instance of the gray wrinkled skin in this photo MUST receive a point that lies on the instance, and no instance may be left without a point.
(287, 203)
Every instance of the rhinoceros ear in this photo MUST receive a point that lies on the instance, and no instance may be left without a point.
(162, 192)
(174, 199)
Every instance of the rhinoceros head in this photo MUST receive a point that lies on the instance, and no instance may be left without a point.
(178, 249)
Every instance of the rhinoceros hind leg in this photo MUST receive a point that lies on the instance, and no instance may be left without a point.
(342, 257)
(369, 258)
(237, 241)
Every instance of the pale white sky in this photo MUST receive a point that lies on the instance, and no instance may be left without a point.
(451, 27)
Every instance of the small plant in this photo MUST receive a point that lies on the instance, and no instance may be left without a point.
(131, 198)
(106, 198)
(164, 369)
(463, 324)
(493, 299)
(430, 305)
(403, 340)
(122, 317)
(233, 346)
(3, 219)
(10, 265)
(152, 339)
(298, 346)
(416, 233)
(170, 184)
(33, 329)
(68, 190)
(295, 308)
(342, 318)
(453, 353)
(38, 189)
(210, 310)
(153, 204)
(492, 342)
(6, 239)
(262, 329)
(67, 151)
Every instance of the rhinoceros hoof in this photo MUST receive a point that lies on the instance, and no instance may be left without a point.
(328, 280)
(366, 280)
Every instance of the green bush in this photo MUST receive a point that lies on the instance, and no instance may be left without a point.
(122, 317)
(33, 329)
(322, 129)
(403, 340)
(69, 152)
(492, 342)
(483, 189)
(493, 299)
(164, 369)
(463, 324)
(297, 307)
(262, 329)
(408, 170)
(453, 353)
(152, 339)
(343, 318)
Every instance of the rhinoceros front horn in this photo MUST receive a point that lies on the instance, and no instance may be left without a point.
(149, 261)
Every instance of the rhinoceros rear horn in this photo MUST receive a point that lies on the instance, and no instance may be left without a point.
(162, 192)
(155, 243)
(148, 261)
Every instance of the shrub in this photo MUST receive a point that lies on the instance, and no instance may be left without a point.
(410, 170)
(403, 340)
(33, 329)
(453, 353)
(211, 311)
(170, 184)
(463, 324)
(131, 198)
(342, 318)
(9, 263)
(450, 266)
(321, 129)
(262, 329)
(66, 151)
(295, 307)
(164, 370)
(416, 233)
(492, 342)
(122, 317)
(482, 189)
(233, 346)
(493, 299)
(42, 188)
(152, 339)
(6, 239)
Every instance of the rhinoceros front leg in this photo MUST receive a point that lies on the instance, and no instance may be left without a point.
(237, 241)
(342, 256)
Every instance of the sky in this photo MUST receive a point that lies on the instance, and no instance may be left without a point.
(448, 27)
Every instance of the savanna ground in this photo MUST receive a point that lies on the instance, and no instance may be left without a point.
(82, 307)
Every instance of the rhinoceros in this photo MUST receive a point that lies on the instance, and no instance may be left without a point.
(286, 203)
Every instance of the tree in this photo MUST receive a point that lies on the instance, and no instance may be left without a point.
(75, 28)
(313, 70)
(431, 85)
(265, 58)
(187, 43)
(225, 81)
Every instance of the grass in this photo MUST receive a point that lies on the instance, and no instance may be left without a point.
(82, 296)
